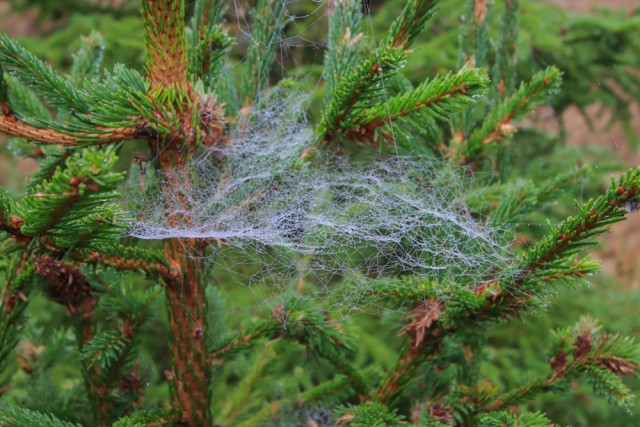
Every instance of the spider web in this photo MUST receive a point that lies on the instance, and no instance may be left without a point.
(337, 218)
(326, 228)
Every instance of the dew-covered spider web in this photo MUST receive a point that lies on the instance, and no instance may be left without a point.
(326, 227)
(336, 217)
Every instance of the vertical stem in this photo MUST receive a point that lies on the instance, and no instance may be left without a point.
(165, 42)
(187, 317)
(167, 66)
(186, 302)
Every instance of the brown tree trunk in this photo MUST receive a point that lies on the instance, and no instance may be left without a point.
(186, 304)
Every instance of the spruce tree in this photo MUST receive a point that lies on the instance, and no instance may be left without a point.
(73, 238)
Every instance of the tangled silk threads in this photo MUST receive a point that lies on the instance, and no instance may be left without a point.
(383, 215)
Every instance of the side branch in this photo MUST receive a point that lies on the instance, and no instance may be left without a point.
(410, 23)
(10, 125)
(12, 226)
(433, 98)
(126, 264)
(364, 83)
(498, 127)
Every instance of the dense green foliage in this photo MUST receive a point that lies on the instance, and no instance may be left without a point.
(118, 347)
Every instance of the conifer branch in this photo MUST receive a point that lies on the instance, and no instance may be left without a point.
(127, 258)
(522, 197)
(165, 42)
(514, 201)
(349, 113)
(14, 299)
(497, 126)
(74, 191)
(21, 101)
(549, 260)
(410, 23)
(241, 393)
(602, 359)
(507, 203)
(103, 353)
(106, 353)
(119, 257)
(578, 353)
(594, 217)
(325, 338)
(150, 418)
(118, 109)
(67, 285)
(27, 67)
(294, 320)
(434, 99)
(88, 59)
(207, 14)
(104, 349)
(268, 20)
(209, 42)
(400, 292)
(10, 223)
(368, 413)
(524, 393)
(230, 346)
(114, 255)
(11, 125)
(527, 419)
(505, 78)
(424, 341)
(324, 390)
(344, 42)
(15, 416)
(364, 83)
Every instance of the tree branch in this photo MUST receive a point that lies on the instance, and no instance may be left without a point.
(11, 125)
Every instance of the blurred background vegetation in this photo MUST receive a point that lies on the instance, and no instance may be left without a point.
(594, 120)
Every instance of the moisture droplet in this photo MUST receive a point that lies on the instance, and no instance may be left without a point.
(632, 205)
